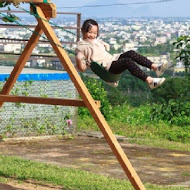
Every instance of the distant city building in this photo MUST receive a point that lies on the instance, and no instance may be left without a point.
(113, 41)
(159, 59)
(143, 39)
(129, 46)
(116, 46)
(122, 35)
(136, 27)
(179, 67)
(160, 40)
(15, 48)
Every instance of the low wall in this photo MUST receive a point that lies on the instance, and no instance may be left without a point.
(19, 119)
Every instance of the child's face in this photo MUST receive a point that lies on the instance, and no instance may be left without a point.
(91, 34)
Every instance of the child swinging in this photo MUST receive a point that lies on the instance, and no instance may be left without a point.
(90, 50)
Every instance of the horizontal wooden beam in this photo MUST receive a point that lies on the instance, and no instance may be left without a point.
(42, 100)
(27, 1)
(48, 9)
(8, 25)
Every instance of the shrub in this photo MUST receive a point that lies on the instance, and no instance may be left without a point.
(174, 88)
(97, 91)
(175, 112)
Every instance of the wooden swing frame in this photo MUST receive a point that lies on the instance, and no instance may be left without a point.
(46, 10)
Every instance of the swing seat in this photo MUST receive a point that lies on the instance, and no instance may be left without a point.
(103, 73)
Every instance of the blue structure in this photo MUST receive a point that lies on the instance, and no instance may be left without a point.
(19, 119)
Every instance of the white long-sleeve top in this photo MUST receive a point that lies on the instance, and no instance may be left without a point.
(96, 51)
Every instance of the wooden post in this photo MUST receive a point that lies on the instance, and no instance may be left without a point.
(78, 26)
(45, 27)
(21, 62)
(90, 103)
(49, 101)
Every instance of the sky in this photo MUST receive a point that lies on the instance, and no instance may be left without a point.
(174, 8)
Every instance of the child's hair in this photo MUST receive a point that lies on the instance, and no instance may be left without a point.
(87, 25)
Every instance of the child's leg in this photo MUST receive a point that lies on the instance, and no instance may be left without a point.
(123, 64)
(141, 60)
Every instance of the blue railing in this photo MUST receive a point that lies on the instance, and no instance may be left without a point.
(38, 77)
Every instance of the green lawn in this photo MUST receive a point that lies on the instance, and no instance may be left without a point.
(70, 179)
(152, 135)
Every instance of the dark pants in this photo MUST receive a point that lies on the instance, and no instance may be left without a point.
(127, 61)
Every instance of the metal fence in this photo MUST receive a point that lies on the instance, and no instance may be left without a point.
(19, 119)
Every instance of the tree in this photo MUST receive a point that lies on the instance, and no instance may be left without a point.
(98, 92)
(183, 46)
(10, 17)
(173, 89)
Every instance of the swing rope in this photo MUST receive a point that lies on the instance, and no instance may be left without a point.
(37, 16)
(27, 28)
(95, 67)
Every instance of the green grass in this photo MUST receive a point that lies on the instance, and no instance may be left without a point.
(136, 124)
(162, 144)
(142, 135)
(3, 180)
(69, 179)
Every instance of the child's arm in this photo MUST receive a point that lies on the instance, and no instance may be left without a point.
(81, 62)
(107, 46)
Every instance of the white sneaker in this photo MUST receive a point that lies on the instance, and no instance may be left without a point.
(156, 82)
(161, 68)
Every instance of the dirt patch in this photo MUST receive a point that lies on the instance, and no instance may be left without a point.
(27, 185)
(153, 165)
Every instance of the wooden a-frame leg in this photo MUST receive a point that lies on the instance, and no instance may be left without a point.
(95, 112)
(21, 61)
